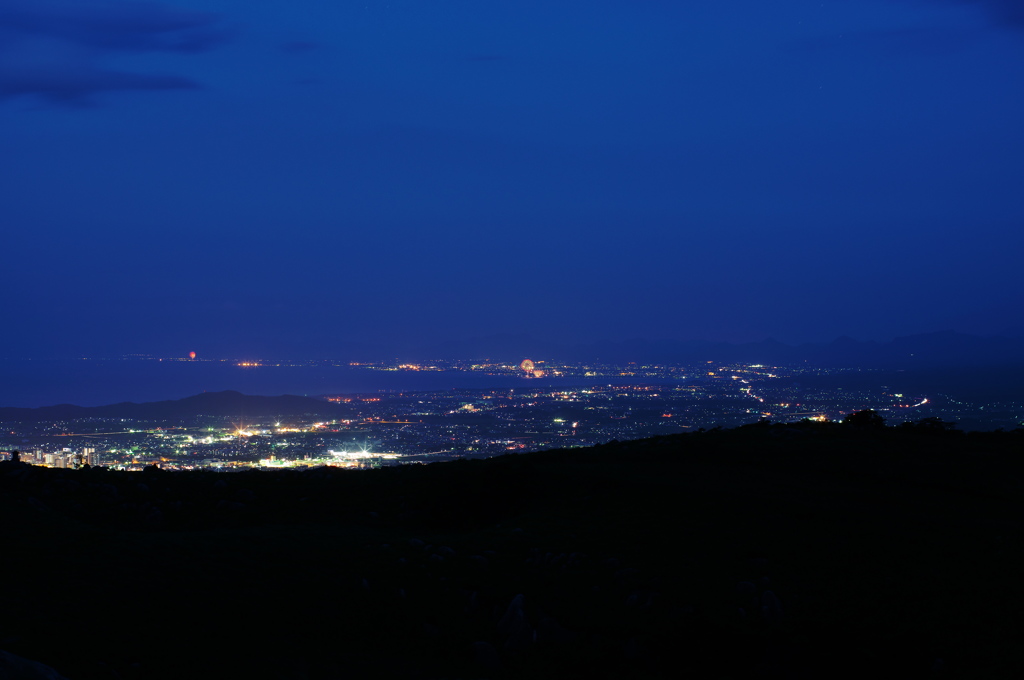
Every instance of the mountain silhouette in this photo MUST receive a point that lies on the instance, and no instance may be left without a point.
(219, 404)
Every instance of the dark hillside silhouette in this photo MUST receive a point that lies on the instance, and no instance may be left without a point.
(865, 420)
(769, 551)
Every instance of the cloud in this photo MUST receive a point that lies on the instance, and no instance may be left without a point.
(61, 86)
(54, 49)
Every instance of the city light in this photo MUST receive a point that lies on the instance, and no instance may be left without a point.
(395, 428)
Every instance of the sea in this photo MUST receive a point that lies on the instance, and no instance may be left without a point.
(30, 383)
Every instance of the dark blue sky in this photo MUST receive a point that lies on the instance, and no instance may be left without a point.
(282, 177)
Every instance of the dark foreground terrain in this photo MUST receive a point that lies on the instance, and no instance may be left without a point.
(789, 551)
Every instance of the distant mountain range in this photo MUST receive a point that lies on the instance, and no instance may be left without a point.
(928, 350)
(220, 404)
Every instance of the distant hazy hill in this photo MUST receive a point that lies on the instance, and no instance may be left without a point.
(227, 403)
(927, 350)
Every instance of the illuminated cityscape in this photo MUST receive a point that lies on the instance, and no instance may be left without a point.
(609, 402)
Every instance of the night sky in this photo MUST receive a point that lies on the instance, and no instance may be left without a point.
(282, 177)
